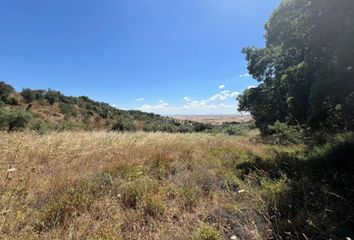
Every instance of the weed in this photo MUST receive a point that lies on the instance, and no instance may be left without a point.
(189, 197)
(152, 206)
(207, 233)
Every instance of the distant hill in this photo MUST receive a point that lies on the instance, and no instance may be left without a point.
(215, 119)
(43, 110)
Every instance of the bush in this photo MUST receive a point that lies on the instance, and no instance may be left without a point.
(123, 125)
(8, 94)
(207, 233)
(285, 134)
(200, 127)
(28, 95)
(236, 130)
(3, 118)
(190, 196)
(32, 95)
(67, 109)
(18, 120)
(52, 96)
(131, 194)
(12, 100)
(39, 126)
(13, 121)
(152, 206)
(5, 91)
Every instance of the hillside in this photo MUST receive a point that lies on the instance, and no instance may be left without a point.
(43, 110)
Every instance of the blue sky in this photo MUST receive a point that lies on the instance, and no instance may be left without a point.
(163, 56)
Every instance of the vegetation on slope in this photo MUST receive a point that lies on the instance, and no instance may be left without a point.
(97, 185)
(43, 110)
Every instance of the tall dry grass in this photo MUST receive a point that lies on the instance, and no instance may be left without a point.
(98, 185)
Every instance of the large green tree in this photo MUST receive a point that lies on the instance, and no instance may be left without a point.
(306, 70)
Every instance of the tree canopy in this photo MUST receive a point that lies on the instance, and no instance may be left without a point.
(306, 70)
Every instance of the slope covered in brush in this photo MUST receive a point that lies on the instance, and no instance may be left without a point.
(51, 110)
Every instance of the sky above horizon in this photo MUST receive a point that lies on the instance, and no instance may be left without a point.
(165, 56)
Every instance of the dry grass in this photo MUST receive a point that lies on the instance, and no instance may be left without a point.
(127, 186)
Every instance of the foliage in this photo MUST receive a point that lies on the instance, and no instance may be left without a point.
(153, 206)
(52, 96)
(5, 89)
(13, 121)
(315, 198)
(131, 194)
(207, 233)
(306, 70)
(123, 124)
(7, 94)
(67, 109)
(285, 134)
(85, 113)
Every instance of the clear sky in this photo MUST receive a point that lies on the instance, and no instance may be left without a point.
(163, 56)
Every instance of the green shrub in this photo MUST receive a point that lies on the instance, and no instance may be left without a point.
(285, 134)
(123, 124)
(14, 121)
(152, 206)
(236, 130)
(5, 91)
(189, 198)
(67, 109)
(3, 119)
(28, 95)
(207, 233)
(131, 194)
(52, 96)
(39, 126)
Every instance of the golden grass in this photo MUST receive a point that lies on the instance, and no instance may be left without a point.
(77, 185)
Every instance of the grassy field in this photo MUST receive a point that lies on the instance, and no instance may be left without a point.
(98, 185)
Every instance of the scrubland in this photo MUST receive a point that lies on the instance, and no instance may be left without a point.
(98, 185)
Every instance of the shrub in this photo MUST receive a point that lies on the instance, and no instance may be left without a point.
(207, 233)
(3, 118)
(28, 95)
(39, 126)
(200, 127)
(131, 194)
(152, 206)
(13, 121)
(285, 134)
(123, 125)
(52, 96)
(236, 130)
(5, 91)
(18, 120)
(189, 198)
(67, 109)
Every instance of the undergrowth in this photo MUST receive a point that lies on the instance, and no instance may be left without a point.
(173, 186)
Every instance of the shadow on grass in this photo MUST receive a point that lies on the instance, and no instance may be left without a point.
(318, 202)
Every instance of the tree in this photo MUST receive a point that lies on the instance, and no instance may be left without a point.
(306, 70)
